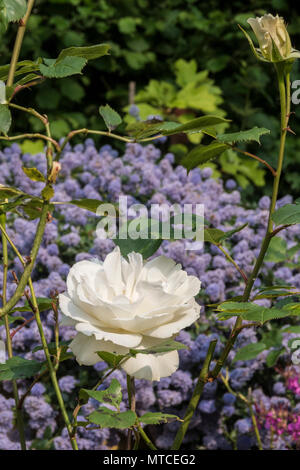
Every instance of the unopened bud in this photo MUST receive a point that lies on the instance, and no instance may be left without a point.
(56, 167)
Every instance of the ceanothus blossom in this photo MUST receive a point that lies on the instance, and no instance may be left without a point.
(117, 304)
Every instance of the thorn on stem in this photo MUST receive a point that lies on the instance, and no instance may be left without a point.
(288, 129)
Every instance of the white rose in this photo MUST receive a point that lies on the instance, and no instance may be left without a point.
(117, 304)
(272, 36)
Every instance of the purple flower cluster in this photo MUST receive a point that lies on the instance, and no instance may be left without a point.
(144, 175)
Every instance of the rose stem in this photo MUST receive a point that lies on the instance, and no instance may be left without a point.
(131, 402)
(203, 377)
(19, 414)
(284, 91)
(51, 368)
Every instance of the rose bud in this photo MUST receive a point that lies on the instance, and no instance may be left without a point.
(273, 39)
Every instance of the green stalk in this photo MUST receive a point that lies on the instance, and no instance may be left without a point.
(145, 437)
(202, 380)
(284, 92)
(18, 44)
(19, 415)
(255, 427)
(248, 402)
(29, 267)
(131, 402)
(51, 368)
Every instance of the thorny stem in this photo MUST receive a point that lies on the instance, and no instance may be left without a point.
(248, 402)
(146, 438)
(52, 369)
(19, 415)
(29, 266)
(251, 155)
(18, 44)
(284, 91)
(36, 135)
(202, 380)
(131, 402)
(31, 111)
(106, 133)
(285, 112)
(231, 260)
(34, 306)
(9, 83)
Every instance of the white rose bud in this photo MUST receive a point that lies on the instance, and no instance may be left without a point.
(56, 167)
(273, 39)
(117, 305)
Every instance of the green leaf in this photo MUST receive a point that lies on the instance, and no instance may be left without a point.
(13, 204)
(48, 193)
(243, 136)
(213, 235)
(146, 248)
(272, 338)
(251, 312)
(107, 418)
(43, 304)
(34, 174)
(202, 154)
(165, 346)
(13, 10)
(11, 319)
(32, 208)
(144, 129)
(232, 232)
(111, 118)
(135, 236)
(273, 356)
(5, 119)
(52, 347)
(113, 360)
(19, 368)
(216, 236)
(64, 68)
(249, 352)
(272, 288)
(158, 418)
(7, 192)
(277, 250)
(196, 125)
(86, 52)
(22, 67)
(88, 204)
(112, 395)
(286, 215)
(291, 329)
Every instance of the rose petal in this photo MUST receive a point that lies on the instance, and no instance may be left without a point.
(152, 366)
(117, 336)
(85, 347)
(184, 319)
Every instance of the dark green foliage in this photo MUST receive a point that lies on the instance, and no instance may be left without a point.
(146, 39)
